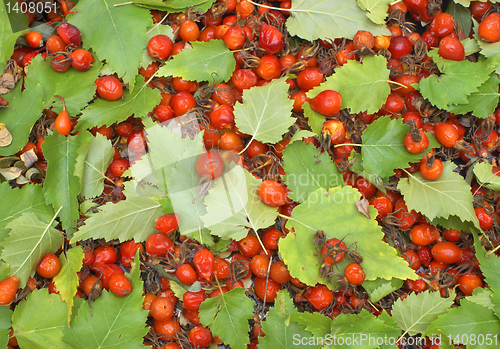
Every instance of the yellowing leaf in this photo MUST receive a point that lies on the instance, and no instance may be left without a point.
(208, 61)
(486, 177)
(265, 113)
(376, 9)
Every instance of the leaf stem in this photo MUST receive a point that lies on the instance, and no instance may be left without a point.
(124, 3)
(269, 7)
(292, 219)
(157, 24)
(397, 83)
(342, 144)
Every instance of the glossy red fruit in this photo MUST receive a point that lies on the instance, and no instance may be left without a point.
(271, 39)
(104, 255)
(210, 164)
(417, 146)
(319, 296)
(119, 166)
(234, 38)
(447, 134)
(334, 245)
(186, 274)
(270, 238)
(272, 193)
(468, 283)
(432, 172)
(423, 234)
(107, 271)
(489, 28)
(442, 25)
(49, 266)
(109, 88)
(412, 259)
(70, 34)
(327, 102)
(336, 130)
(266, 294)
(34, 39)
(222, 117)
(451, 48)
(63, 123)
(162, 309)
(182, 102)
(309, 78)
(366, 188)
(8, 290)
(200, 337)
(204, 263)
(354, 274)
(160, 46)
(120, 285)
(279, 272)
(446, 252)
(485, 220)
(383, 205)
(81, 59)
(127, 252)
(192, 300)
(168, 223)
(55, 44)
(158, 245)
(249, 246)
(400, 46)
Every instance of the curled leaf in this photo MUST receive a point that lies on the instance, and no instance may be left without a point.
(5, 136)
(11, 173)
(363, 207)
(29, 158)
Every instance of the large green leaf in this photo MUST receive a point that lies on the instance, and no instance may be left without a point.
(20, 115)
(62, 186)
(320, 19)
(318, 324)
(383, 148)
(38, 321)
(307, 170)
(376, 9)
(132, 218)
(227, 317)
(482, 103)
(458, 80)
(486, 177)
(416, 312)
(352, 80)
(449, 195)
(335, 212)
(66, 280)
(208, 61)
(265, 113)
(29, 198)
(280, 331)
(93, 160)
(112, 322)
(5, 325)
(379, 288)
(233, 206)
(138, 102)
(7, 36)
(468, 323)
(120, 36)
(482, 296)
(76, 87)
(28, 241)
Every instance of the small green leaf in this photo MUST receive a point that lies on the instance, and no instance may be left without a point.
(376, 9)
(482, 103)
(7, 36)
(227, 316)
(28, 241)
(39, 321)
(461, 16)
(265, 113)
(483, 297)
(352, 80)
(318, 19)
(5, 325)
(449, 195)
(208, 61)
(93, 160)
(20, 115)
(486, 177)
(315, 120)
(307, 170)
(66, 280)
(280, 331)
(379, 288)
(138, 102)
(416, 312)
(318, 324)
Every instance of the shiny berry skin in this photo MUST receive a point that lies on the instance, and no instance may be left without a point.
(259, 265)
(271, 39)
(447, 134)
(136, 142)
(210, 164)
(49, 266)
(34, 39)
(186, 274)
(200, 337)
(8, 290)
(107, 271)
(433, 172)
(425, 255)
(309, 78)
(256, 148)
(161, 309)
(354, 274)
(109, 88)
(269, 293)
(120, 285)
(127, 252)
(327, 102)
(104, 255)
(119, 166)
(335, 129)
(319, 296)
(423, 234)
(224, 94)
(270, 238)
(244, 79)
(63, 123)
(89, 282)
(204, 263)
(249, 246)
(412, 259)
(451, 48)
(189, 31)
(166, 329)
(222, 117)
(339, 256)
(55, 44)
(416, 147)
(124, 129)
(479, 8)
(279, 273)
(366, 188)
(489, 28)
(70, 34)
(168, 223)
(81, 59)
(400, 46)
(160, 46)
(272, 193)
(221, 268)
(468, 283)
(452, 235)
(442, 25)
(446, 252)
(383, 205)
(269, 67)
(192, 300)
(182, 102)
(485, 220)
(234, 38)
(158, 245)
(363, 39)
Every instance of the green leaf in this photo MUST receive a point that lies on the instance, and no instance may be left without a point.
(486, 177)
(20, 115)
(66, 280)
(281, 332)
(208, 61)
(132, 218)
(7, 36)
(29, 198)
(113, 322)
(361, 326)
(318, 324)
(482, 103)
(139, 102)
(233, 205)
(416, 312)
(120, 36)
(449, 195)
(315, 120)
(383, 148)
(458, 80)
(379, 288)
(265, 113)
(29, 240)
(461, 16)
(467, 321)
(76, 87)
(93, 160)
(376, 9)
(18, 21)
(39, 321)
(62, 186)
(300, 135)
(335, 212)
(318, 19)
(368, 79)
(482, 297)
(5, 325)
(227, 316)
(308, 170)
